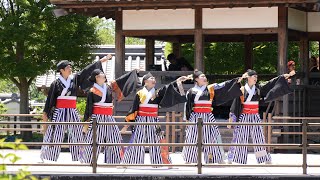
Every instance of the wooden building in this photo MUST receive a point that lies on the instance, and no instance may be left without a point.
(200, 21)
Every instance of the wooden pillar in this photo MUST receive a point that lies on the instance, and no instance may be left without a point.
(119, 46)
(282, 39)
(282, 57)
(176, 48)
(282, 49)
(198, 40)
(149, 53)
(304, 57)
(248, 53)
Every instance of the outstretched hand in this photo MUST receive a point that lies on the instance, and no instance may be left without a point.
(85, 128)
(292, 73)
(184, 78)
(106, 58)
(124, 129)
(138, 70)
(245, 75)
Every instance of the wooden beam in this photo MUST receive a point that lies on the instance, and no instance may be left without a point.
(248, 53)
(246, 31)
(241, 38)
(214, 38)
(119, 46)
(149, 53)
(314, 36)
(158, 32)
(295, 33)
(173, 39)
(176, 3)
(199, 40)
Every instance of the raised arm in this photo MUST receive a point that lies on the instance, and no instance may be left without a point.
(275, 88)
(82, 76)
(172, 94)
(125, 85)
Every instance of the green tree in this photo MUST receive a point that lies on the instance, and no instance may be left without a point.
(3, 110)
(228, 58)
(7, 86)
(35, 94)
(13, 158)
(81, 105)
(106, 32)
(32, 41)
(314, 48)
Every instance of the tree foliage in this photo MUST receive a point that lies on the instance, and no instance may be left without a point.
(106, 32)
(7, 86)
(228, 58)
(13, 158)
(32, 41)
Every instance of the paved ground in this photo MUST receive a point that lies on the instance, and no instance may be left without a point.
(32, 156)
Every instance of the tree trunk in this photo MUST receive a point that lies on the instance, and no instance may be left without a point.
(24, 106)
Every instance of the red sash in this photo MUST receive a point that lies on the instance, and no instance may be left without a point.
(66, 102)
(250, 109)
(202, 107)
(148, 110)
(103, 110)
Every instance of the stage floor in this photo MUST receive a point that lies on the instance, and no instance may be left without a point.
(32, 156)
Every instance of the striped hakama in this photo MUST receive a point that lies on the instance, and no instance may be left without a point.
(99, 107)
(60, 106)
(200, 103)
(145, 109)
(212, 154)
(105, 134)
(56, 133)
(245, 109)
(144, 134)
(239, 154)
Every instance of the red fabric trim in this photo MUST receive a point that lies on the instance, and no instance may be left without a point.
(103, 110)
(148, 109)
(250, 110)
(202, 109)
(150, 114)
(251, 106)
(66, 103)
(202, 105)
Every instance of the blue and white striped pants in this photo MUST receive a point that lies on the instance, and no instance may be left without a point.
(212, 154)
(239, 154)
(105, 134)
(144, 134)
(56, 133)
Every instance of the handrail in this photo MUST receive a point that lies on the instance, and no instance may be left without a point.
(304, 146)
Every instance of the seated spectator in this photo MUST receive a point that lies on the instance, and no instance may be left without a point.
(173, 63)
(291, 65)
(314, 64)
(178, 64)
(184, 65)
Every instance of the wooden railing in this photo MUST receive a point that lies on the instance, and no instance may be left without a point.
(304, 145)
